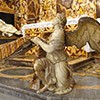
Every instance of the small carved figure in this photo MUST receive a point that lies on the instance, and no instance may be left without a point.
(8, 29)
(53, 69)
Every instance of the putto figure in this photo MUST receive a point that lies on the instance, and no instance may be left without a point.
(53, 70)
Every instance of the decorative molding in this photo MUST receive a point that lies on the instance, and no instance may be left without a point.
(4, 7)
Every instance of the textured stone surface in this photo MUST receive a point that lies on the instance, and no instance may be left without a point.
(17, 71)
(22, 92)
(6, 97)
(16, 83)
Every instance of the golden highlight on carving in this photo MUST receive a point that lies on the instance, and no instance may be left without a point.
(47, 10)
(76, 8)
(38, 31)
(73, 51)
(7, 6)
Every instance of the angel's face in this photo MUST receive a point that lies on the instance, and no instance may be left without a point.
(56, 20)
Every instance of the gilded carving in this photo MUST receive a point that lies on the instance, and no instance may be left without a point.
(47, 10)
(21, 13)
(76, 8)
(7, 6)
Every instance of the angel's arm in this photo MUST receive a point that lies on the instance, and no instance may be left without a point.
(47, 47)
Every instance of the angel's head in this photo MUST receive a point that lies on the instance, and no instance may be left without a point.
(60, 19)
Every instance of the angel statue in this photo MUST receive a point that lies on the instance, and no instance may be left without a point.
(53, 70)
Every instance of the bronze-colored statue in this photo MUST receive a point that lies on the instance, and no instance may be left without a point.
(53, 69)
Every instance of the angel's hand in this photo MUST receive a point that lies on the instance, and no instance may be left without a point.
(35, 40)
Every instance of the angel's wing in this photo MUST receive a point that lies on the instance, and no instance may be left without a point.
(88, 31)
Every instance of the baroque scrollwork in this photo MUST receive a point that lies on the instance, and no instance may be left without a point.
(47, 10)
(7, 6)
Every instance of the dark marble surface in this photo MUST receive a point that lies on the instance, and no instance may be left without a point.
(14, 83)
(20, 89)
(87, 88)
(17, 71)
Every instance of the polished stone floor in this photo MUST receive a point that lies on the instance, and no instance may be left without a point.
(8, 97)
(87, 85)
(16, 73)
